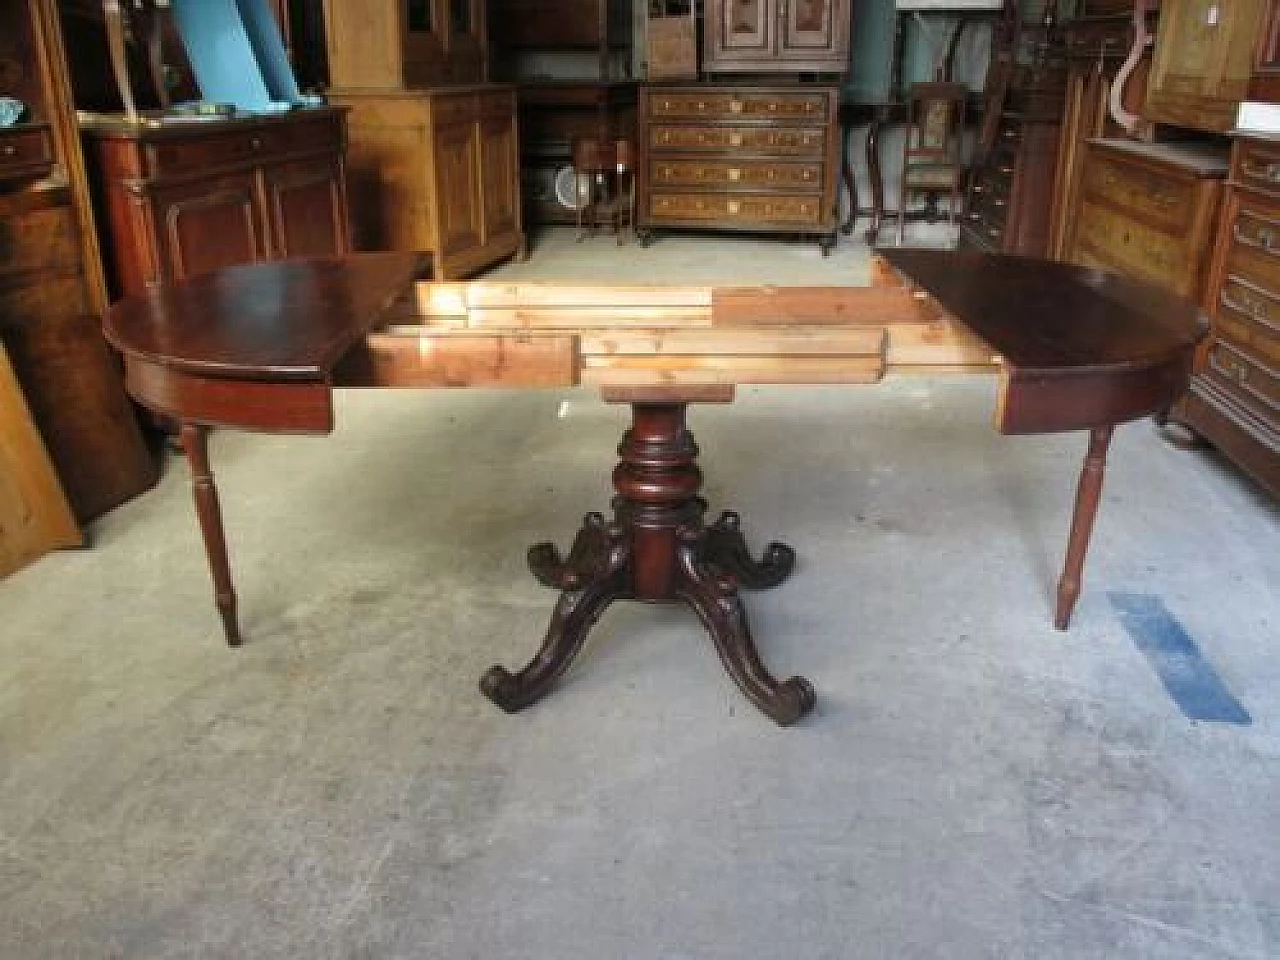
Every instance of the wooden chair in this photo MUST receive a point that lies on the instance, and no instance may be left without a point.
(604, 173)
(931, 160)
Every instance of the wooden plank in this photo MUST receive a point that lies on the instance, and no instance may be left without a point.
(461, 361)
(668, 393)
(35, 516)
(814, 306)
(936, 344)
(580, 317)
(617, 370)
(761, 341)
(451, 299)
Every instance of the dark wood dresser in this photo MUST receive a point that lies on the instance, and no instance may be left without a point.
(1234, 401)
(739, 157)
(1148, 210)
(51, 289)
(180, 198)
(1010, 195)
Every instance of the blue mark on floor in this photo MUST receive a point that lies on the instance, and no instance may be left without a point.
(1190, 679)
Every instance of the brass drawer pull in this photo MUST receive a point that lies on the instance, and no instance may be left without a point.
(1266, 239)
(1269, 171)
(9, 150)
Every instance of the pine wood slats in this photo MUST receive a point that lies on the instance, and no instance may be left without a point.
(619, 336)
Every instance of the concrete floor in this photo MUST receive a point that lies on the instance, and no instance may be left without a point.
(972, 785)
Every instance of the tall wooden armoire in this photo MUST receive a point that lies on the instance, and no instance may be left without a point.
(433, 152)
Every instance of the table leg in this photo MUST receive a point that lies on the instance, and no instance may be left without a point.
(846, 174)
(656, 549)
(877, 179)
(1088, 493)
(195, 440)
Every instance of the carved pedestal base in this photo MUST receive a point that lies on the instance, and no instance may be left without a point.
(656, 548)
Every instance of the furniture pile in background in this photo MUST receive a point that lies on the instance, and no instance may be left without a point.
(52, 295)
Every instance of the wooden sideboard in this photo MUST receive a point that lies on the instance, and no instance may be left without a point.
(1234, 400)
(740, 157)
(181, 198)
(437, 170)
(1149, 211)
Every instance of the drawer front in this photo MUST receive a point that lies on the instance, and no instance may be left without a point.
(727, 175)
(797, 211)
(40, 242)
(745, 105)
(1113, 240)
(202, 154)
(1161, 199)
(25, 152)
(499, 104)
(1255, 245)
(1255, 385)
(1248, 317)
(794, 141)
(1257, 165)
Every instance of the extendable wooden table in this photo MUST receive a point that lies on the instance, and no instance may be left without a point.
(263, 347)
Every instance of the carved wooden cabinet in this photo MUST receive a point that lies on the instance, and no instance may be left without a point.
(1149, 211)
(181, 198)
(1203, 61)
(437, 170)
(739, 157)
(51, 288)
(776, 36)
(1234, 400)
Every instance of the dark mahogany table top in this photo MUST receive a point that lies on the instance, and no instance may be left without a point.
(1044, 316)
(233, 323)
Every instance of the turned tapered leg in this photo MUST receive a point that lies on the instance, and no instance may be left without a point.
(593, 576)
(727, 549)
(1088, 493)
(195, 441)
(714, 598)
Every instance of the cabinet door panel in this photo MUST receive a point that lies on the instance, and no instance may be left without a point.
(499, 172)
(203, 226)
(457, 171)
(813, 27)
(306, 209)
(742, 30)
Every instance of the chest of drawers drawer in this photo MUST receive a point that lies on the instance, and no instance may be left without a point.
(739, 105)
(1109, 238)
(200, 154)
(1253, 384)
(25, 151)
(744, 209)
(736, 175)
(798, 141)
(1155, 197)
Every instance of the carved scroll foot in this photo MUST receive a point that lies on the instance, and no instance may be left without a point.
(714, 598)
(726, 548)
(593, 576)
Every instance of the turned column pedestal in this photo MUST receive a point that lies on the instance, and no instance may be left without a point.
(656, 549)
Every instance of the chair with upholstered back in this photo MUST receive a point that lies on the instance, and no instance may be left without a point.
(931, 148)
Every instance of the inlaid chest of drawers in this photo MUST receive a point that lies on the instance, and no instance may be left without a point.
(739, 157)
(1149, 211)
(1234, 400)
